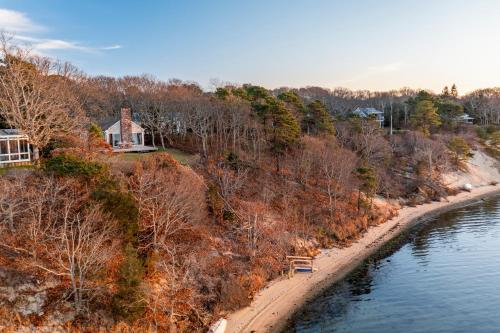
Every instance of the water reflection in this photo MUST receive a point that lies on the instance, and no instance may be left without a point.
(443, 277)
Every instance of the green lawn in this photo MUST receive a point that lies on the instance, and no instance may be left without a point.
(4, 170)
(182, 157)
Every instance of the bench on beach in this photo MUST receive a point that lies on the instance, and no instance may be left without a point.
(299, 264)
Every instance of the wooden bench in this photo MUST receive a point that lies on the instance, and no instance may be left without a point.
(297, 263)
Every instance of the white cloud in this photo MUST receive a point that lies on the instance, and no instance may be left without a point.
(112, 47)
(14, 22)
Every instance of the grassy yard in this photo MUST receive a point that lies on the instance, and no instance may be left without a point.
(4, 170)
(182, 157)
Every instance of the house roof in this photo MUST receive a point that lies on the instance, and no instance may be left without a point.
(10, 132)
(107, 123)
(465, 116)
(365, 112)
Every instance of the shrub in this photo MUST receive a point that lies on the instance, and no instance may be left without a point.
(128, 302)
(120, 205)
(70, 165)
(214, 201)
(459, 149)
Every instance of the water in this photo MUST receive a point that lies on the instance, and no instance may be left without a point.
(444, 276)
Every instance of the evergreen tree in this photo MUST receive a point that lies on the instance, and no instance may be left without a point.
(292, 98)
(425, 117)
(368, 179)
(446, 92)
(317, 120)
(449, 111)
(454, 91)
(284, 128)
(222, 93)
(459, 148)
(128, 302)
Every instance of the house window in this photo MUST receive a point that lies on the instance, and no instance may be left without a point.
(116, 140)
(137, 138)
(14, 150)
(4, 150)
(24, 149)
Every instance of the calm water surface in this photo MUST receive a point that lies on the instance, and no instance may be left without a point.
(443, 277)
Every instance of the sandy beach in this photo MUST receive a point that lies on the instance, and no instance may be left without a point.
(272, 306)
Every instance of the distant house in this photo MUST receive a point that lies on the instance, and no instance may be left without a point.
(14, 148)
(123, 134)
(465, 119)
(370, 112)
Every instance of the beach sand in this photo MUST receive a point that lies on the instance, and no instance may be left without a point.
(274, 305)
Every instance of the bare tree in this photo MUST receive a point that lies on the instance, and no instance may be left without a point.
(35, 96)
(82, 248)
(337, 166)
(167, 199)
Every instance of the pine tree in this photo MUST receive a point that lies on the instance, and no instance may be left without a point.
(454, 91)
(459, 149)
(317, 119)
(425, 117)
(128, 302)
(368, 179)
(284, 128)
(292, 98)
(446, 92)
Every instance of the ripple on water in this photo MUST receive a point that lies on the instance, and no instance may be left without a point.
(445, 278)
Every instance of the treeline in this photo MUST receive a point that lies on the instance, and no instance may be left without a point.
(155, 245)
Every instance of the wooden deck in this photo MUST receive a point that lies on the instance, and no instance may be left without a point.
(135, 149)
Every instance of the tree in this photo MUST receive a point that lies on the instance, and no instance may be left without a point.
(425, 117)
(446, 92)
(459, 149)
(292, 98)
(81, 248)
(368, 180)
(169, 197)
(317, 120)
(495, 139)
(129, 302)
(454, 91)
(336, 165)
(449, 111)
(35, 99)
(284, 128)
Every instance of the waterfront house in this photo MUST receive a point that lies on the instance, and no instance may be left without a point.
(125, 135)
(465, 119)
(370, 113)
(14, 148)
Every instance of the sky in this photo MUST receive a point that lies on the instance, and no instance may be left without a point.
(357, 44)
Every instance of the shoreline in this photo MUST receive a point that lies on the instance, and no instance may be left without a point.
(273, 306)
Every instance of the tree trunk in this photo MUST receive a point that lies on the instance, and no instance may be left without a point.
(162, 141)
(36, 154)
(391, 119)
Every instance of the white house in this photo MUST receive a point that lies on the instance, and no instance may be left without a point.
(14, 148)
(125, 135)
(370, 112)
(465, 119)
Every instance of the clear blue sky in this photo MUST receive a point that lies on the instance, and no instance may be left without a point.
(358, 44)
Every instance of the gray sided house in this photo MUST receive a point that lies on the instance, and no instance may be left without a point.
(125, 135)
(14, 148)
(370, 112)
(465, 119)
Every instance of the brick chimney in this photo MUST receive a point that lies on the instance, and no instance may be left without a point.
(125, 127)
